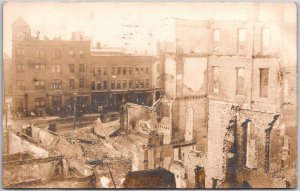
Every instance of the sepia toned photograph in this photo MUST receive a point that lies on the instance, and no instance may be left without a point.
(149, 95)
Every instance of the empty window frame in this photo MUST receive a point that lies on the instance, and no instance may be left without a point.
(241, 39)
(240, 81)
(215, 79)
(264, 82)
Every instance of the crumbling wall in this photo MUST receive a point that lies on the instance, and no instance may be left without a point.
(136, 113)
(219, 117)
(194, 76)
(179, 112)
(169, 78)
(22, 171)
(20, 144)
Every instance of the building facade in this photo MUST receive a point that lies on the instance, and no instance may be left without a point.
(117, 77)
(229, 93)
(48, 74)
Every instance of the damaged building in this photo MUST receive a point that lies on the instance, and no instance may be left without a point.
(228, 105)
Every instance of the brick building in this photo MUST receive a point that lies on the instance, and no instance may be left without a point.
(230, 91)
(48, 74)
(116, 76)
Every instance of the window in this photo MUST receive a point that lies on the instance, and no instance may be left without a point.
(55, 84)
(142, 83)
(93, 71)
(39, 66)
(124, 84)
(20, 52)
(112, 85)
(72, 68)
(40, 84)
(264, 82)
(71, 53)
(81, 83)
(105, 85)
(113, 71)
(57, 53)
(93, 85)
(21, 68)
(81, 54)
(142, 71)
(40, 102)
(147, 70)
(216, 80)
(105, 71)
(240, 77)
(130, 84)
(56, 68)
(39, 53)
(265, 39)
(216, 38)
(119, 71)
(71, 84)
(130, 70)
(137, 71)
(20, 84)
(251, 161)
(99, 71)
(99, 86)
(189, 124)
(81, 67)
(119, 84)
(241, 39)
(147, 83)
(124, 71)
(136, 83)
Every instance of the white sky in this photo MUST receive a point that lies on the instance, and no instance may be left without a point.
(103, 20)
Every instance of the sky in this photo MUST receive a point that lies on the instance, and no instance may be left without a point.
(106, 22)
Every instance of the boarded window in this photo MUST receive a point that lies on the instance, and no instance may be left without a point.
(216, 79)
(124, 71)
(242, 39)
(251, 160)
(240, 78)
(264, 82)
(119, 71)
(130, 84)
